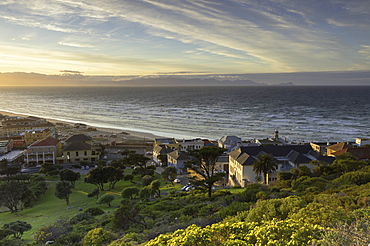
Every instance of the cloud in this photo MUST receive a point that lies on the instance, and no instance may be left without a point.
(165, 36)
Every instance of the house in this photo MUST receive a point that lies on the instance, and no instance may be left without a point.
(320, 147)
(362, 141)
(275, 141)
(229, 142)
(178, 159)
(181, 145)
(17, 125)
(286, 156)
(192, 144)
(46, 150)
(361, 153)
(31, 136)
(79, 148)
(158, 151)
(6, 146)
(330, 150)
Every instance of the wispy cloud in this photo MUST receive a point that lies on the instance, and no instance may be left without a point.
(164, 36)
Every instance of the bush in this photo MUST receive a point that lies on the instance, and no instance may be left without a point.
(98, 237)
(80, 217)
(94, 211)
(146, 180)
(106, 199)
(357, 177)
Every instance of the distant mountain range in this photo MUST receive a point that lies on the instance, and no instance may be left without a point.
(170, 81)
(35, 79)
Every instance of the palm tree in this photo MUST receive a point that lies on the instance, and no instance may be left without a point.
(265, 164)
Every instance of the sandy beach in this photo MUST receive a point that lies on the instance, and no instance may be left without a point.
(104, 134)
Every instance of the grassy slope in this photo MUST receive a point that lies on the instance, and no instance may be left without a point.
(50, 208)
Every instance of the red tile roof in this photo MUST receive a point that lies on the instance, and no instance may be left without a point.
(45, 142)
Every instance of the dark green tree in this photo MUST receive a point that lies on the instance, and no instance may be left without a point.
(129, 177)
(69, 176)
(13, 194)
(106, 199)
(94, 193)
(98, 176)
(116, 174)
(63, 191)
(7, 169)
(265, 164)
(163, 159)
(204, 166)
(130, 192)
(170, 174)
(17, 228)
(155, 185)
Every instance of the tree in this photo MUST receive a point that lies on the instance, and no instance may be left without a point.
(129, 192)
(154, 185)
(265, 164)
(63, 191)
(126, 214)
(94, 193)
(145, 193)
(47, 167)
(204, 166)
(106, 199)
(146, 180)
(97, 176)
(116, 175)
(13, 194)
(17, 228)
(70, 176)
(163, 159)
(170, 174)
(7, 169)
(129, 177)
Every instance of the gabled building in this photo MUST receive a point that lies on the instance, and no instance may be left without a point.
(229, 142)
(46, 150)
(79, 148)
(31, 136)
(286, 156)
(161, 150)
(320, 147)
(178, 159)
(361, 153)
(362, 141)
(275, 141)
(330, 150)
(6, 146)
(14, 126)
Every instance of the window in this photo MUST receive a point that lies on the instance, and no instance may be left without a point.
(85, 152)
(76, 153)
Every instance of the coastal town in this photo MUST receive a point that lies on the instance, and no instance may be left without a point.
(29, 142)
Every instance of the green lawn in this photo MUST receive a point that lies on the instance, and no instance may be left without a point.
(50, 208)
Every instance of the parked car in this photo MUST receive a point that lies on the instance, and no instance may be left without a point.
(177, 181)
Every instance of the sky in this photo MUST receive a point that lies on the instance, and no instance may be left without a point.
(150, 38)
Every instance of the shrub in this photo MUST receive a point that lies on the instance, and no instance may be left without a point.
(94, 211)
(106, 199)
(80, 217)
(98, 237)
(146, 180)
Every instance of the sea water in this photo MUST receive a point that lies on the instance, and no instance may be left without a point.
(299, 113)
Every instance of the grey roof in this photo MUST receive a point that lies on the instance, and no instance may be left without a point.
(299, 154)
(78, 138)
(178, 155)
(75, 146)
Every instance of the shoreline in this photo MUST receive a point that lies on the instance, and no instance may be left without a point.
(133, 135)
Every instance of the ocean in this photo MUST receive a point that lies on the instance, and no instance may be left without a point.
(300, 113)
